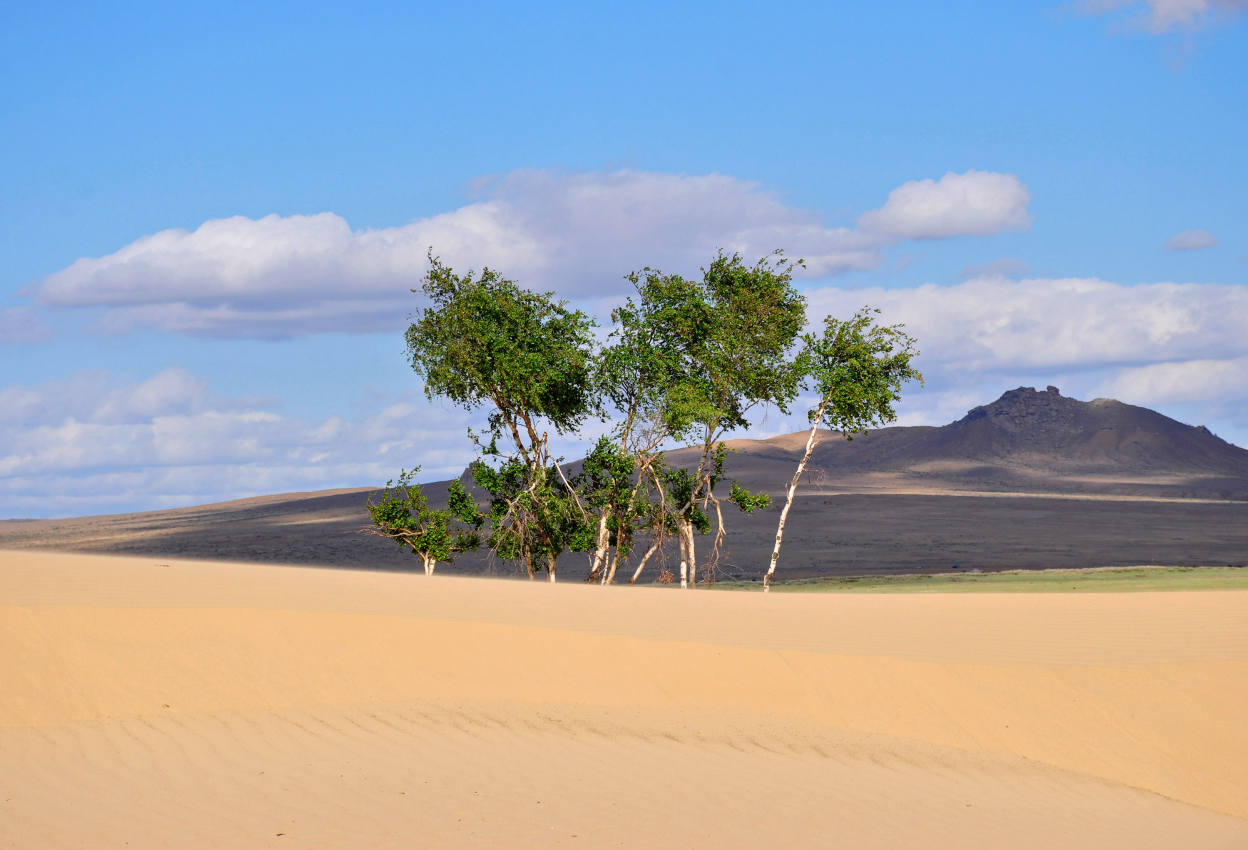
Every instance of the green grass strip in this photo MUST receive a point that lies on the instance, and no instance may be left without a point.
(1089, 580)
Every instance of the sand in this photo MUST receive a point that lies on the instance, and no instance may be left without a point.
(154, 703)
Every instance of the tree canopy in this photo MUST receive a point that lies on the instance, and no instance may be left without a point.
(686, 360)
(485, 341)
(856, 368)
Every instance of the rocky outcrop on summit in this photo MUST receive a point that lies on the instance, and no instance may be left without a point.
(1045, 441)
(1098, 435)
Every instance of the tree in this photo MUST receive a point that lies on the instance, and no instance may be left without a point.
(484, 341)
(607, 483)
(856, 368)
(724, 345)
(403, 515)
(633, 374)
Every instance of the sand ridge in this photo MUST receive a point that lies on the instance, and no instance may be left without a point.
(192, 704)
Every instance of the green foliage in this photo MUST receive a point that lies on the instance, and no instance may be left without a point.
(684, 359)
(532, 516)
(712, 350)
(721, 345)
(857, 368)
(634, 372)
(682, 491)
(682, 486)
(486, 341)
(745, 500)
(403, 514)
(462, 506)
(607, 475)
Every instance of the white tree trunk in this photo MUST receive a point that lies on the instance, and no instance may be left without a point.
(609, 578)
(654, 547)
(788, 502)
(550, 568)
(600, 549)
(693, 561)
(684, 555)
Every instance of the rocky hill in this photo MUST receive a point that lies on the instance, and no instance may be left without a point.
(1026, 441)
(1051, 431)
(1034, 479)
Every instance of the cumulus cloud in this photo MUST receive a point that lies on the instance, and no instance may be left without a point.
(95, 420)
(95, 442)
(976, 203)
(1192, 240)
(1176, 347)
(1040, 323)
(97, 397)
(1160, 16)
(577, 234)
(1182, 382)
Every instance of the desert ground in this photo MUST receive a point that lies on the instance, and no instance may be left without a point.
(163, 703)
(1034, 480)
(862, 526)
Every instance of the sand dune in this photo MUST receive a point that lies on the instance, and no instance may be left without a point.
(188, 704)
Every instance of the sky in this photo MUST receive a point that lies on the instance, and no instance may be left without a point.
(214, 214)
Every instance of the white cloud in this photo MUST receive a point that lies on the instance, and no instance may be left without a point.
(603, 225)
(97, 397)
(1192, 240)
(577, 234)
(22, 324)
(1183, 382)
(171, 419)
(1179, 348)
(94, 443)
(1160, 16)
(977, 203)
(994, 323)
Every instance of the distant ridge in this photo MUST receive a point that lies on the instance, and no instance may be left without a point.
(1048, 431)
(1034, 479)
(1092, 435)
(1028, 441)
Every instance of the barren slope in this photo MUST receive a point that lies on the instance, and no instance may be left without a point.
(1034, 479)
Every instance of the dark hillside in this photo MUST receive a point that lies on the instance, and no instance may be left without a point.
(1034, 479)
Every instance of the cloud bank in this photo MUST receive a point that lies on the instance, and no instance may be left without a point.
(994, 324)
(1161, 16)
(577, 234)
(94, 442)
(1176, 347)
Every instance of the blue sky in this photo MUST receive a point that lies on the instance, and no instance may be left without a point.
(212, 215)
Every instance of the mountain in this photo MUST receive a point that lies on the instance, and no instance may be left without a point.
(1047, 430)
(1034, 479)
(1024, 442)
